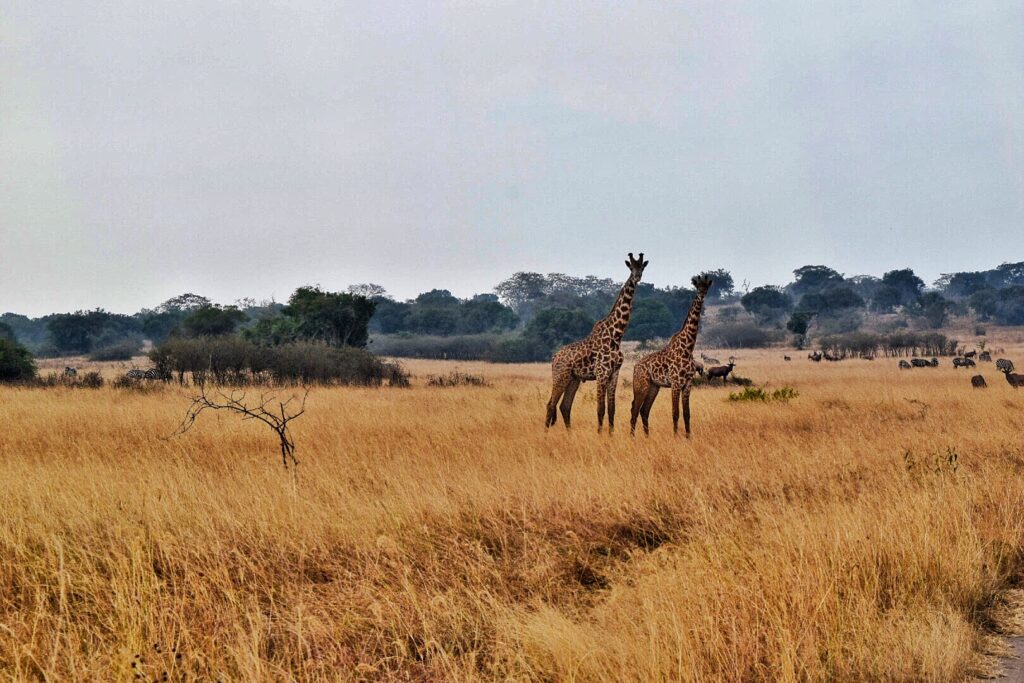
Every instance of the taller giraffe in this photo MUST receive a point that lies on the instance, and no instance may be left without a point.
(595, 357)
(673, 366)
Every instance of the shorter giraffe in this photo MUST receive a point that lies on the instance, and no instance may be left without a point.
(672, 366)
(598, 357)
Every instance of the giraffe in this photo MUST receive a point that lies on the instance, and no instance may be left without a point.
(595, 357)
(672, 366)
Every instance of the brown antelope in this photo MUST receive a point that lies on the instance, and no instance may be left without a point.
(721, 370)
(1016, 380)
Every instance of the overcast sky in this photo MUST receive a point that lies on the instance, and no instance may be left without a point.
(246, 148)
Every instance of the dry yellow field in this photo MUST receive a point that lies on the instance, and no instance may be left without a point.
(443, 534)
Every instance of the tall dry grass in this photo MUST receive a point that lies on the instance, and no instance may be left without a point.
(442, 534)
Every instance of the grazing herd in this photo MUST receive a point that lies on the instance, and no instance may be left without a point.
(966, 360)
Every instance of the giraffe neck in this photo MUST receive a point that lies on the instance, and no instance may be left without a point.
(617, 320)
(686, 338)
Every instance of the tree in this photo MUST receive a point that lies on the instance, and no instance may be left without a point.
(390, 316)
(767, 304)
(985, 303)
(964, 284)
(184, 302)
(16, 363)
(1008, 275)
(886, 299)
(369, 290)
(80, 332)
(477, 316)
(650, 319)
(866, 286)
(334, 318)
(438, 319)
(722, 285)
(213, 321)
(521, 288)
(798, 324)
(7, 332)
(811, 279)
(437, 297)
(557, 326)
(906, 283)
(832, 301)
(934, 309)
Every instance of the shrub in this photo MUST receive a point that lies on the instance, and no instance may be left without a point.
(750, 393)
(737, 335)
(456, 379)
(16, 363)
(235, 361)
(125, 350)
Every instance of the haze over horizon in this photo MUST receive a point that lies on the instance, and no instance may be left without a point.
(232, 151)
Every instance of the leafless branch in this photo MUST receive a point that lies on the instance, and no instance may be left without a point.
(277, 417)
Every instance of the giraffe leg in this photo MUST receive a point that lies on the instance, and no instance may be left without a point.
(640, 389)
(613, 384)
(559, 382)
(567, 399)
(645, 409)
(675, 409)
(602, 390)
(686, 409)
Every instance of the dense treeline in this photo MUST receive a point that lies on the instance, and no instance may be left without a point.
(530, 314)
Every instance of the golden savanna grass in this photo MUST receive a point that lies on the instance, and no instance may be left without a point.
(443, 534)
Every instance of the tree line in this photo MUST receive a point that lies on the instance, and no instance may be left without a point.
(529, 314)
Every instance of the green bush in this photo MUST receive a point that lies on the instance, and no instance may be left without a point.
(760, 394)
(16, 363)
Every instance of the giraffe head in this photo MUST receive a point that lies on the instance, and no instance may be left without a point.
(636, 267)
(702, 282)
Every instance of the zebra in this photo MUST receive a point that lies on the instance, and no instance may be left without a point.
(1004, 365)
(963, 363)
(904, 365)
(985, 357)
(136, 373)
(920, 363)
(934, 363)
(816, 356)
(70, 371)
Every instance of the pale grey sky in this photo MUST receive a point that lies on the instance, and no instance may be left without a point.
(245, 148)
